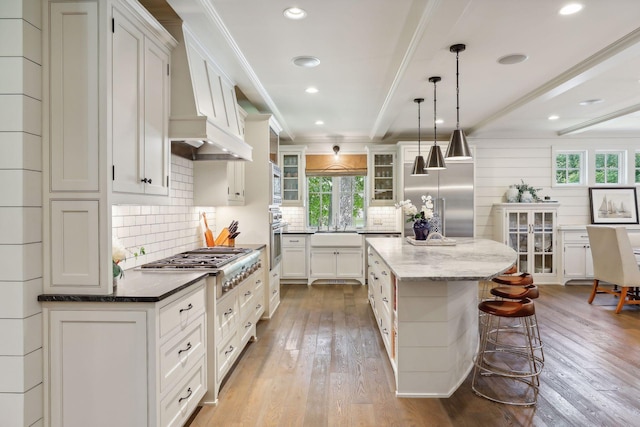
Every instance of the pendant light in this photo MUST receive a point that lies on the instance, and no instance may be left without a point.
(458, 147)
(435, 161)
(418, 164)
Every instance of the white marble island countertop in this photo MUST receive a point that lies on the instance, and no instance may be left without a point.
(469, 259)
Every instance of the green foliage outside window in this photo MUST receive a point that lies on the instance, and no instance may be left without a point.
(607, 168)
(637, 168)
(336, 201)
(568, 168)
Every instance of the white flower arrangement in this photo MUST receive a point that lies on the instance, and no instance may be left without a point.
(119, 254)
(411, 211)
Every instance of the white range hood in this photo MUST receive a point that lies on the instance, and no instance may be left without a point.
(204, 122)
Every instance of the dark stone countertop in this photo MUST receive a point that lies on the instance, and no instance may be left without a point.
(143, 285)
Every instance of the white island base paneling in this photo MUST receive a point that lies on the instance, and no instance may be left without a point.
(437, 336)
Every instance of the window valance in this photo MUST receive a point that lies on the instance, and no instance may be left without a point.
(328, 165)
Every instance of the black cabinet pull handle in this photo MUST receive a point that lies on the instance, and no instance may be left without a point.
(147, 180)
(228, 312)
(186, 349)
(229, 351)
(189, 307)
(248, 325)
(189, 392)
(247, 294)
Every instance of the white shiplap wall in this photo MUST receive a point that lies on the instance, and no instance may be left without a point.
(500, 163)
(21, 360)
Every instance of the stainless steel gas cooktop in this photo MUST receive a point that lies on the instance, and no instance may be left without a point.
(202, 258)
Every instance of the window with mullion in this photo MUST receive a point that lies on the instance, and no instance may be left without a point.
(609, 167)
(337, 201)
(569, 168)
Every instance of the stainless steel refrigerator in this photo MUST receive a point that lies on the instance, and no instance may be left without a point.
(452, 188)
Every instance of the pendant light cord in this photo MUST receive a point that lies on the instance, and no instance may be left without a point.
(435, 133)
(418, 101)
(457, 91)
(434, 113)
(418, 128)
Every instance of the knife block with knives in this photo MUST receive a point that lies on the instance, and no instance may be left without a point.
(228, 235)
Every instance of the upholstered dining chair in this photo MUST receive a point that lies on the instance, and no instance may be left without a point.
(614, 263)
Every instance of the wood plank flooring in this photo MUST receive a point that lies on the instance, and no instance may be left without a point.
(320, 362)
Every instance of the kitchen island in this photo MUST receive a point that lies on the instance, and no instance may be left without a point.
(425, 301)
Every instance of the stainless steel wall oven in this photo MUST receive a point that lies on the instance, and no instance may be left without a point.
(275, 236)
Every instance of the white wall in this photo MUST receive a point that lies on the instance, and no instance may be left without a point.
(20, 213)
(500, 163)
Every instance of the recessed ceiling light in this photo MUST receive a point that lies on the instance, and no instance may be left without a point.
(439, 121)
(553, 117)
(311, 90)
(514, 58)
(294, 13)
(570, 9)
(319, 122)
(591, 101)
(306, 61)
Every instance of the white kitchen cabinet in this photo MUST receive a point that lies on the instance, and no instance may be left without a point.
(235, 183)
(381, 173)
(147, 360)
(294, 257)
(140, 106)
(292, 164)
(382, 299)
(340, 263)
(530, 229)
(218, 183)
(577, 261)
(272, 297)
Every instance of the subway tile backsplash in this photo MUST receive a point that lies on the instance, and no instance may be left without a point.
(163, 230)
(166, 230)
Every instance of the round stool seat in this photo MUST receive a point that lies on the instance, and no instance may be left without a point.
(523, 279)
(512, 270)
(516, 292)
(522, 308)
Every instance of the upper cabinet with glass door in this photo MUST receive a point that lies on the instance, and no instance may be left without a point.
(292, 163)
(381, 174)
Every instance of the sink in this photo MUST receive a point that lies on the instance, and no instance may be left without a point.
(339, 238)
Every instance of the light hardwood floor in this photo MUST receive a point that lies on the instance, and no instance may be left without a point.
(320, 362)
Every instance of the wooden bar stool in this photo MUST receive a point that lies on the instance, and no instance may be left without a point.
(521, 293)
(484, 294)
(506, 369)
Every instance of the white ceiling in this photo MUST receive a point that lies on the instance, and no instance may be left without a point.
(377, 55)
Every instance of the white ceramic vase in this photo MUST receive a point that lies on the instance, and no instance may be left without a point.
(512, 194)
(526, 197)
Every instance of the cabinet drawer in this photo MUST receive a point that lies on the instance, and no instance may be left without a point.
(294, 241)
(180, 402)
(247, 330)
(227, 353)
(226, 316)
(576, 236)
(246, 299)
(179, 354)
(178, 314)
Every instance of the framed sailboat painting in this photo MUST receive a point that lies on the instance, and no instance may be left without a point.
(613, 205)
